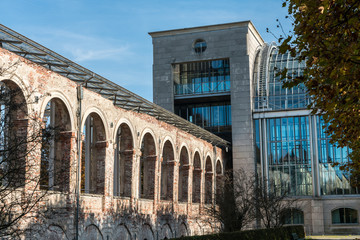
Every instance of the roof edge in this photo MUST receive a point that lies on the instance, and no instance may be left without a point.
(201, 28)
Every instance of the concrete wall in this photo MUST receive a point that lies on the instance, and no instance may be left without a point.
(105, 215)
(237, 42)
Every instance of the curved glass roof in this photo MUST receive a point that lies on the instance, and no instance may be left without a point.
(269, 93)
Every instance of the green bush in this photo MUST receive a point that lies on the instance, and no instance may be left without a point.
(283, 233)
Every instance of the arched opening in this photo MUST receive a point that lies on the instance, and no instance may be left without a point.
(56, 147)
(183, 230)
(196, 188)
(167, 172)
(123, 161)
(292, 216)
(219, 178)
(183, 175)
(14, 137)
(208, 180)
(93, 155)
(92, 232)
(55, 232)
(344, 216)
(147, 167)
(147, 233)
(166, 232)
(122, 232)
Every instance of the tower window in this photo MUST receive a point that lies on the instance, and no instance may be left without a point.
(200, 46)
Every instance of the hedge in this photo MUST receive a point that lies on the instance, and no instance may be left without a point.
(283, 233)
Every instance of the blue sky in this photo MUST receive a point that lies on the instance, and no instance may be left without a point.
(111, 37)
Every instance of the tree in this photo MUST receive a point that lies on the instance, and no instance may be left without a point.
(326, 35)
(244, 198)
(234, 207)
(272, 206)
(21, 138)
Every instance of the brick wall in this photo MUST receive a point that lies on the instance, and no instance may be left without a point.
(105, 213)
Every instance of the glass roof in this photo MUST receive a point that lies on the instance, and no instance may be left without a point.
(121, 97)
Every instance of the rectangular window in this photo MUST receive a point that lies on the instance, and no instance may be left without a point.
(289, 159)
(201, 77)
(215, 117)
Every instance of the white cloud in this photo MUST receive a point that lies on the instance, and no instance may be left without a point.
(81, 47)
(81, 54)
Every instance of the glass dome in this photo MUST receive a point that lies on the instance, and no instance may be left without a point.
(269, 94)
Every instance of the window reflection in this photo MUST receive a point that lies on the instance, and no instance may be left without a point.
(215, 117)
(202, 77)
(333, 180)
(289, 158)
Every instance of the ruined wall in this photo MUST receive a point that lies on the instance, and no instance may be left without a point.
(117, 166)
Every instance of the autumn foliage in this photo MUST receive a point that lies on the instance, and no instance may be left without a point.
(326, 35)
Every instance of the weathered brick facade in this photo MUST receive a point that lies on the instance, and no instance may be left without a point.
(141, 178)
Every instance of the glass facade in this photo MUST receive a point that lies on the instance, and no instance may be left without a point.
(333, 180)
(293, 152)
(288, 153)
(202, 77)
(215, 117)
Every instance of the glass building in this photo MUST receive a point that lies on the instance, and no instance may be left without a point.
(294, 154)
(225, 79)
(202, 94)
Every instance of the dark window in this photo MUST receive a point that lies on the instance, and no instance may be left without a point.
(344, 216)
(215, 117)
(199, 46)
(292, 216)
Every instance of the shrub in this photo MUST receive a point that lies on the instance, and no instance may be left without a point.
(282, 233)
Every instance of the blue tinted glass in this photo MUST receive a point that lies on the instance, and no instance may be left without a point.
(202, 77)
(291, 128)
(284, 129)
(278, 130)
(278, 152)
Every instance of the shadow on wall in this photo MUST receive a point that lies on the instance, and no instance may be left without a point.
(57, 223)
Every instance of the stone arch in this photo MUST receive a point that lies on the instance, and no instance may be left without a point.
(130, 125)
(184, 168)
(167, 171)
(208, 180)
(55, 232)
(122, 232)
(219, 177)
(14, 132)
(146, 233)
(197, 175)
(22, 87)
(57, 140)
(92, 232)
(183, 230)
(101, 115)
(166, 232)
(93, 154)
(123, 163)
(59, 95)
(147, 167)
